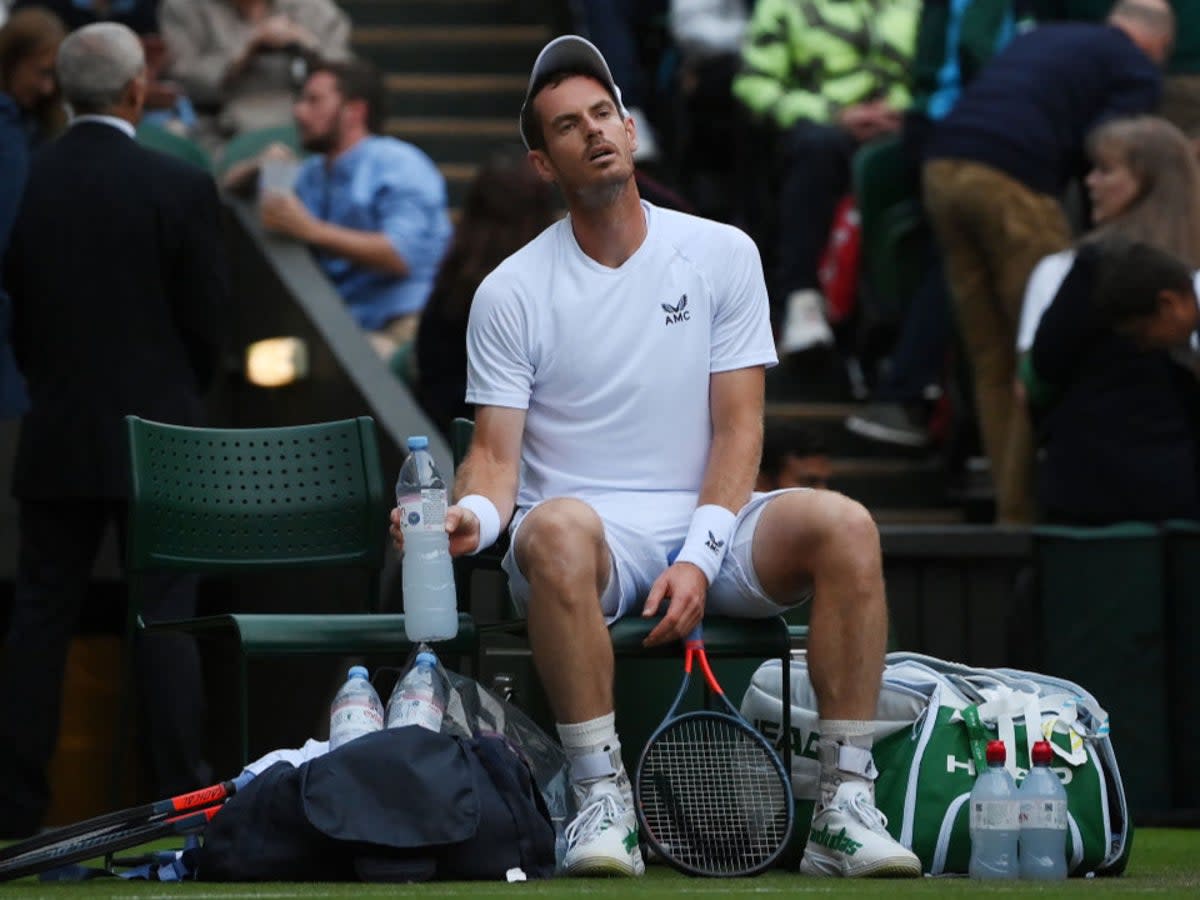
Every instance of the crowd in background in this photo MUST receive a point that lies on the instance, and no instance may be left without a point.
(810, 124)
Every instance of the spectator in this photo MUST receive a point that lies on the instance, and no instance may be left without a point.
(506, 206)
(1144, 185)
(996, 167)
(372, 208)
(166, 104)
(954, 42)
(1120, 441)
(709, 35)
(241, 61)
(830, 75)
(107, 321)
(793, 458)
(30, 110)
(1181, 88)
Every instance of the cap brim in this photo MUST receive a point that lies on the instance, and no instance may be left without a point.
(570, 51)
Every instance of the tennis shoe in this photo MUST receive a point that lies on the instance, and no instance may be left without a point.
(849, 839)
(603, 839)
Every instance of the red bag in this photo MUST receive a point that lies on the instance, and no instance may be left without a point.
(837, 271)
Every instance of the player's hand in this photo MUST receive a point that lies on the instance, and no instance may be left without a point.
(461, 524)
(687, 587)
(463, 527)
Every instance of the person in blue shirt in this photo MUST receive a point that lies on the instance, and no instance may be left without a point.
(372, 208)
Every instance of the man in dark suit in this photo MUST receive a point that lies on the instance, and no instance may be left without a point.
(117, 277)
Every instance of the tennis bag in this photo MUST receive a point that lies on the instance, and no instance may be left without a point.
(399, 805)
(932, 724)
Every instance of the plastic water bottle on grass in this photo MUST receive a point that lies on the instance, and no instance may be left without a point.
(1043, 799)
(356, 709)
(427, 573)
(994, 819)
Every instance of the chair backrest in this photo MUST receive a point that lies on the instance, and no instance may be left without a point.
(158, 138)
(236, 499)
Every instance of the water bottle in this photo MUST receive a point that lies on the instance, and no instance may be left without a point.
(419, 698)
(1043, 802)
(356, 709)
(995, 819)
(430, 604)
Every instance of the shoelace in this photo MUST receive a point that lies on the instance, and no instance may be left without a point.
(602, 810)
(868, 813)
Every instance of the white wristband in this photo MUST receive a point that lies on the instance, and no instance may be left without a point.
(708, 539)
(488, 516)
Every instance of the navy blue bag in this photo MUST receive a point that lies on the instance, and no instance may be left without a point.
(403, 804)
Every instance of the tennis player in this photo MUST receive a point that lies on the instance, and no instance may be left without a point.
(617, 365)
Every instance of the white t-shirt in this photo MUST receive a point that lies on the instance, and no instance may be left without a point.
(612, 365)
(1041, 289)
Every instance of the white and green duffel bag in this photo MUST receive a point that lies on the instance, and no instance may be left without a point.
(932, 724)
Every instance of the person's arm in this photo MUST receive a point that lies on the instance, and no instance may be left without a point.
(285, 214)
(736, 408)
(327, 30)
(201, 69)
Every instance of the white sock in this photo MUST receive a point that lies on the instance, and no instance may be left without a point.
(844, 754)
(594, 752)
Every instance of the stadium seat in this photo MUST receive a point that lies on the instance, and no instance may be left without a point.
(724, 638)
(1100, 598)
(158, 138)
(235, 501)
(249, 144)
(894, 231)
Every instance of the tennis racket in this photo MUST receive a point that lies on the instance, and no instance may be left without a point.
(712, 795)
(120, 830)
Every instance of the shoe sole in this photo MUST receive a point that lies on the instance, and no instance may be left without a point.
(601, 867)
(875, 431)
(822, 866)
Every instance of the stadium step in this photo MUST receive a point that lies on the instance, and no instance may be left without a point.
(449, 12)
(451, 49)
(437, 94)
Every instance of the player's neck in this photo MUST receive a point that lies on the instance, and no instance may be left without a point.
(611, 232)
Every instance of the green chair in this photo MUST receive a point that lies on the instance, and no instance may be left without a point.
(249, 144)
(724, 638)
(158, 138)
(894, 232)
(233, 501)
(1100, 607)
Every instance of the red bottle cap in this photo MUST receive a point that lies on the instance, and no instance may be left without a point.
(1043, 753)
(996, 752)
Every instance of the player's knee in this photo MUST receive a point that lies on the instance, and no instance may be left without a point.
(561, 536)
(852, 522)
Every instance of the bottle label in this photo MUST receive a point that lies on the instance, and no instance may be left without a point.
(424, 511)
(994, 815)
(1044, 813)
(353, 717)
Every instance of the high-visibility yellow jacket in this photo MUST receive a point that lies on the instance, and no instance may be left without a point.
(807, 59)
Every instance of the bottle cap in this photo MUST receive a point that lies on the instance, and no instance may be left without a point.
(418, 442)
(358, 672)
(996, 752)
(428, 657)
(1043, 753)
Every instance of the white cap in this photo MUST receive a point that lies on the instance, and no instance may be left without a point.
(570, 52)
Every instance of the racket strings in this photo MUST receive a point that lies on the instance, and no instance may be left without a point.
(713, 797)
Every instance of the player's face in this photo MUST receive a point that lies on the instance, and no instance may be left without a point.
(318, 112)
(588, 146)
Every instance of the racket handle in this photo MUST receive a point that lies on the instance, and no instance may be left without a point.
(696, 635)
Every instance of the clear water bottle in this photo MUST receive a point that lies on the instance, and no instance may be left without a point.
(419, 698)
(1043, 800)
(995, 819)
(356, 709)
(430, 604)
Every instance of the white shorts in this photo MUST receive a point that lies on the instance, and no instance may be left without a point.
(638, 558)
